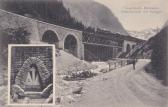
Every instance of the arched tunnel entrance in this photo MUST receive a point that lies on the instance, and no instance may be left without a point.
(50, 37)
(70, 45)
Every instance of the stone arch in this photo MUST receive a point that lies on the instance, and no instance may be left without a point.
(71, 44)
(50, 37)
(128, 48)
(44, 74)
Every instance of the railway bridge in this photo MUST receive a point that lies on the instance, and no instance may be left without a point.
(84, 45)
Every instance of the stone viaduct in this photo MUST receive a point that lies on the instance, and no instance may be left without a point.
(64, 38)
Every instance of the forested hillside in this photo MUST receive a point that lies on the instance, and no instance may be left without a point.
(51, 11)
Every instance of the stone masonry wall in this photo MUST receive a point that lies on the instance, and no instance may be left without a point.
(21, 54)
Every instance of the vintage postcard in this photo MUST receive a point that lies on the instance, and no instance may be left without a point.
(84, 53)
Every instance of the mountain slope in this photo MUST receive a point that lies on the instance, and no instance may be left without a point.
(68, 13)
(94, 14)
(144, 34)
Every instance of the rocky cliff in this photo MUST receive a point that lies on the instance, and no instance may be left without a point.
(94, 14)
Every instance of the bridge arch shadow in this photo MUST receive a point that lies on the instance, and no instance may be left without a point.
(70, 44)
(50, 37)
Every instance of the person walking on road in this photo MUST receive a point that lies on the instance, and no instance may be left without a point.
(134, 63)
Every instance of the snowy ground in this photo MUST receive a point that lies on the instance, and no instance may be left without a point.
(123, 87)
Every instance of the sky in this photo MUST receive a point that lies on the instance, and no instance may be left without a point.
(139, 14)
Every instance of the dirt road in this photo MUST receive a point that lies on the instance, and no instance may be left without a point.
(123, 87)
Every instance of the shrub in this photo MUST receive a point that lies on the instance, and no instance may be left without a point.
(12, 36)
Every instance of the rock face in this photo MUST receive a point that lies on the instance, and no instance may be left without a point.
(159, 54)
(94, 14)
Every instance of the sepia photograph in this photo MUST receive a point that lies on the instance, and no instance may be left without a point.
(84, 53)
(31, 71)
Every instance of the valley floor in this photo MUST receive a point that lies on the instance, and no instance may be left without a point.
(123, 87)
